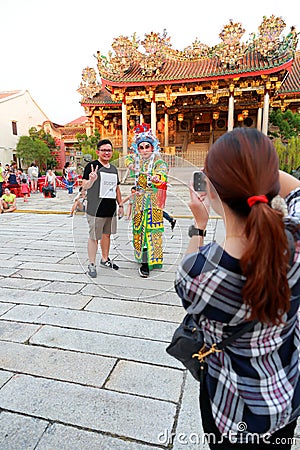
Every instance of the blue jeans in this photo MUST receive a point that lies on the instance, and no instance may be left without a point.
(70, 186)
(167, 217)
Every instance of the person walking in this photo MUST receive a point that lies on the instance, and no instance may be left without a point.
(69, 175)
(251, 389)
(33, 174)
(101, 182)
(25, 189)
(148, 202)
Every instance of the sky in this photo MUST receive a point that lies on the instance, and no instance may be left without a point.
(45, 45)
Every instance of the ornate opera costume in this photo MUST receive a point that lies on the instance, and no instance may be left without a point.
(148, 204)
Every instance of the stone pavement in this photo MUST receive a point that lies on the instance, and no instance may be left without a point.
(83, 364)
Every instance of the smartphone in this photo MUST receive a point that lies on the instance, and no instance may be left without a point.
(199, 181)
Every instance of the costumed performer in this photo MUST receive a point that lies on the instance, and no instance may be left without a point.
(148, 203)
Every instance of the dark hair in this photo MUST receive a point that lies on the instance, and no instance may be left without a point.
(240, 164)
(23, 180)
(104, 142)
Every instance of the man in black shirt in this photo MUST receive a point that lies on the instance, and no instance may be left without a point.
(101, 181)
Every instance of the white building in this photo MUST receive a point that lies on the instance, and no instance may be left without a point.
(18, 113)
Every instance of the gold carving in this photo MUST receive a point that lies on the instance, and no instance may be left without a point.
(89, 86)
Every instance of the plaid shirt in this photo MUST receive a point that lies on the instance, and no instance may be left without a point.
(256, 379)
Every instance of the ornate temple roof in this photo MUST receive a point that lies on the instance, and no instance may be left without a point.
(103, 98)
(291, 84)
(153, 61)
(159, 62)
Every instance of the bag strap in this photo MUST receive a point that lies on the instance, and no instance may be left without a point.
(227, 341)
(291, 244)
(216, 348)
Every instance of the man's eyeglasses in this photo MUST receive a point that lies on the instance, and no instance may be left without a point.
(105, 150)
(144, 147)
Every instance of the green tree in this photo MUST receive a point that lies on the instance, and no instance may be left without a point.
(285, 124)
(50, 142)
(285, 129)
(88, 144)
(29, 150)
(288, 153)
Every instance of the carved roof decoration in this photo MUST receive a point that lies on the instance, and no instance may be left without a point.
(134, 61)
(102, 98)
(89, 85)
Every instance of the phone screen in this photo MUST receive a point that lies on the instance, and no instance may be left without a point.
(199, 181)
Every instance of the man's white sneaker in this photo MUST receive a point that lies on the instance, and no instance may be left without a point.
(92, 272)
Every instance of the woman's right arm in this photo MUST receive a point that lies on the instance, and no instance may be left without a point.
(287, 183)
(290, 191)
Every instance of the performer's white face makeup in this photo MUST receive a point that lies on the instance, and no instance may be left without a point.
(145, 149)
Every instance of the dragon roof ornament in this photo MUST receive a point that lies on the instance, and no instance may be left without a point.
(89, 85)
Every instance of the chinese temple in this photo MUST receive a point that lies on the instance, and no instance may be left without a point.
(191, 97)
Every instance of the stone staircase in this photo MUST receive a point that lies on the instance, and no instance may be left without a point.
(196, 153)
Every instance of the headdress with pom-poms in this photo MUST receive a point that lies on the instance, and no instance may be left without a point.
(143, 133)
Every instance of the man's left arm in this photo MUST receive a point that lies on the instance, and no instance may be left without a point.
(119, 201)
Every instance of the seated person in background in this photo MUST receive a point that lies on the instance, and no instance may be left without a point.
(12, 177)
(50, 183)
(7, 202)
(79, 202)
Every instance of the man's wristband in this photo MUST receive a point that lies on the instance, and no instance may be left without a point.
(193, 231)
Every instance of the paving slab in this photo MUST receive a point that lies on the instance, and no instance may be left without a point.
(90, 370)
(4, 307)
(62, 437)
(155, 330)
(16, 332)
(19, 432)
(4, 377)
(147, 380)
(41, 297)
(123, 347)
(135, 308)
(92, 408)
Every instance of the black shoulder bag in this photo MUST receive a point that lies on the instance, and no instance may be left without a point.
(189, 348)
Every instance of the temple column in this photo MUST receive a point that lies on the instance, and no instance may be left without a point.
(230, 112)
(265, 120)
(89, 127)
(153, 117)
(166, 143)
(141, 119)
(124, 128)
(258, 119)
